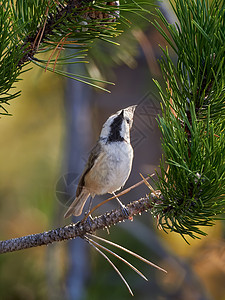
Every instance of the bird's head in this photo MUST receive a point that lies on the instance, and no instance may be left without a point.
(117, 127)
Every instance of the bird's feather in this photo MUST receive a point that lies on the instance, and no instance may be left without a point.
(82, 194)
(77, 205)
(90, 163)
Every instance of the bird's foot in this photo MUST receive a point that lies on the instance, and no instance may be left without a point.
(124, 210)
(123, 207)
(89, 219)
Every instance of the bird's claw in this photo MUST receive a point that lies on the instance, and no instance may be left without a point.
(125, 211)
(89, 220)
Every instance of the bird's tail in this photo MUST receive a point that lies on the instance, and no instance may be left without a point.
(77, 205)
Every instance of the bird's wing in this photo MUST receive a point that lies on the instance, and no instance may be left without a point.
(90, 163)
(82, 193)
(78, 204)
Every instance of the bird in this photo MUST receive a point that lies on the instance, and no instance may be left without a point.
(109, 163)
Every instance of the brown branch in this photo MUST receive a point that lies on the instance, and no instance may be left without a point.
(65, 11)
(32, 42)
(79, 229)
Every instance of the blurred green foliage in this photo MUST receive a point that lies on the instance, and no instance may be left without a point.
(192, 179)
(31, 146)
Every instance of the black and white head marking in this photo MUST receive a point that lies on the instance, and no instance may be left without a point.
(115, 129)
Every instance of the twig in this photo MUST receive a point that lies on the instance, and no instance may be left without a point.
(79, 229)
(149, 185)
(118, 195)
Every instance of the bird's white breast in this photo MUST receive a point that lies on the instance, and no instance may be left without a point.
(111, 169)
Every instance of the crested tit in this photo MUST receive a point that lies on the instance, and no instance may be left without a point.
(109, 163)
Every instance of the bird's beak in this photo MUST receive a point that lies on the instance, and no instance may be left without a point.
(131, 109)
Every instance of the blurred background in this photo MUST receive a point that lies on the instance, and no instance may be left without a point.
(44, 147)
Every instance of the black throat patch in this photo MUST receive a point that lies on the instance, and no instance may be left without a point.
(115, 128)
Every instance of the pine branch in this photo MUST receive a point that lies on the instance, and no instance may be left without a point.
(192, 179)
(79, 229)
(63, 13)
(30, 29)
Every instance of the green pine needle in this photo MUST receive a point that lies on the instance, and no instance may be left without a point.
(192, 177)
(30, 28)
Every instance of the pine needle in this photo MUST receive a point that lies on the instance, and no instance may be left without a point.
(128, 251)
(149, 185)
(118, 256)
(112, 264)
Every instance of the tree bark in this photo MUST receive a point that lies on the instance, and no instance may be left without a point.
(79, 229)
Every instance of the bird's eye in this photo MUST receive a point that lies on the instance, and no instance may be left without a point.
(128, 121)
